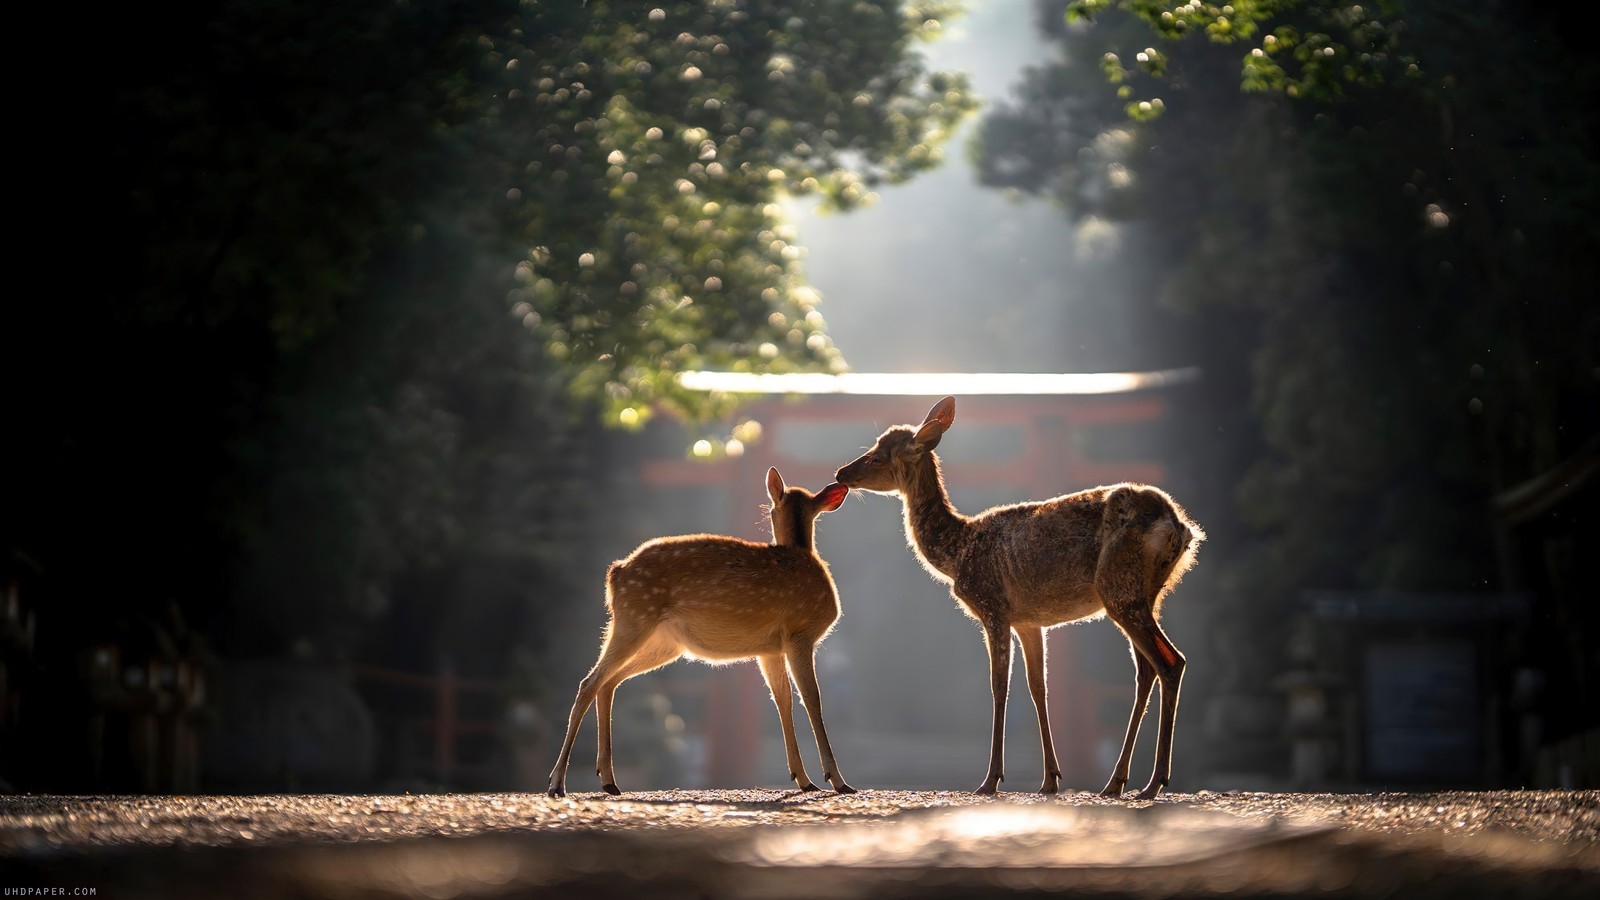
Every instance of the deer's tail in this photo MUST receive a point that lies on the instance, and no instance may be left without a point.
(1186, 548)
(1171, 539)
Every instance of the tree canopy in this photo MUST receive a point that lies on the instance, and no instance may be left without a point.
(1371, 221)
(367, 275)
(651, 150)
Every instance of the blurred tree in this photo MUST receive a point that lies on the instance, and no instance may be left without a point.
(366, 276)
(649, 150)
(1374, 220)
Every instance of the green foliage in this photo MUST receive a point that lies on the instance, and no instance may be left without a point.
(369, 273)
(1306, 49)
(1382, 263)
(653, 151)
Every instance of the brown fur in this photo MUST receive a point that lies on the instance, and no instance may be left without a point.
(1116, 550)
(721, 599)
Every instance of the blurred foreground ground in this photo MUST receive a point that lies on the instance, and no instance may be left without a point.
(783, 844)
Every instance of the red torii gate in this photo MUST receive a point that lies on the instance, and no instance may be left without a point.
(1045, 410)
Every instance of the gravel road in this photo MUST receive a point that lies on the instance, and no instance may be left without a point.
(780, 844)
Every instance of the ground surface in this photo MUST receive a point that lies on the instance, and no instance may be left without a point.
(782, 844)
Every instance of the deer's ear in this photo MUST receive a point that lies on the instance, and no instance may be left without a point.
(940, 418)
(831, 497)
(943, 412)
(774, 484)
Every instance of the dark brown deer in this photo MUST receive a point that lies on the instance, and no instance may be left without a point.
(721, 599)
(1115, 550)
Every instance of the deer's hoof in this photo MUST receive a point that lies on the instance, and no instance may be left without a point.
(843, 788)
(988, 788)
(808, 786)
(1149, 793)
(556, 790)
(1113, 789)
(1050, 786)
(612, 789)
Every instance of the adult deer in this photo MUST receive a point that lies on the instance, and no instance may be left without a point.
(1115, 550)
(721, 599)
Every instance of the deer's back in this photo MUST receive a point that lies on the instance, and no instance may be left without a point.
(1049, 554)
(1061, 534)
(726, 597)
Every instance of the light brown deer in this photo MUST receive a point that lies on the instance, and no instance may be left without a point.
(1115, 550)
(721, 599)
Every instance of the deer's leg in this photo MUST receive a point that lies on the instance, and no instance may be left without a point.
(1150, 642)
(997, 637)
(653, 655)
(1170, 671)
(1124, 581)
(803, 668)
(777, 678)
(615, 648)
(1143, 681)
(622, 640)
(580, 707)
(1033, 659)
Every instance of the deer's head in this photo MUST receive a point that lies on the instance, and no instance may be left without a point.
(795, 509)
(891, 463)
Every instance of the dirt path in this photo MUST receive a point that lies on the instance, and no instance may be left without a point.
(780, 844)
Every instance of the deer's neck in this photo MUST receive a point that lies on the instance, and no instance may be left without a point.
(933, 526)
(792, 529)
